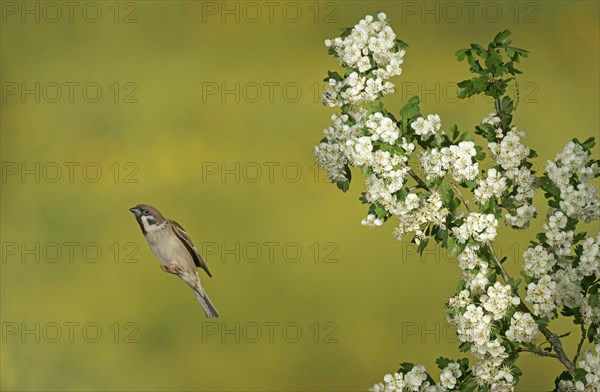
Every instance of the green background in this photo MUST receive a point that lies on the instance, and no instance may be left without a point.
(374, 304)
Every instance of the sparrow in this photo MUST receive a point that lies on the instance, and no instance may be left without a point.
(175, 250)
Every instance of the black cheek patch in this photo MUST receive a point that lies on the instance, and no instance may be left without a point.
(139, 221)
(151, 220)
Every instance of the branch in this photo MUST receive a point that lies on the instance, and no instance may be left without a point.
(418, 179)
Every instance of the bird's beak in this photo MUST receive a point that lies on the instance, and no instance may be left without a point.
(135, 210)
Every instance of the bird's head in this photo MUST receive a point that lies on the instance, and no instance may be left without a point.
(148, 217)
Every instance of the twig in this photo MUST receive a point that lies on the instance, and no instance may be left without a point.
(461, 197)
(499, 265)
(538, 351)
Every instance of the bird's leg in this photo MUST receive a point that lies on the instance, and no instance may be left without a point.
(171, 269)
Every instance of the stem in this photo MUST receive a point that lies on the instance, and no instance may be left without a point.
(580, 344)
(497, 105)
(461, 197)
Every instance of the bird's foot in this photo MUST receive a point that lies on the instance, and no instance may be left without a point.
(171, 269)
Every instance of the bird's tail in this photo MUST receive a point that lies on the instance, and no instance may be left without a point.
(209, 308)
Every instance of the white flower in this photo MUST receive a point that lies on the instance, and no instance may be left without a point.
(560, 240)
(427, 127)
(492, 186)
(510, 152)
(580, 201)
(460, 300)
(589, 263)
(542, 294)
(456, 159)
(479, 226)
(371, 221)
(522, 218)
(330, 158)
(568, 287)
(538, 262)
(473, 325)
(498, 299)
(415, 377)
(449, 376)
(382, 128)
(523, 328)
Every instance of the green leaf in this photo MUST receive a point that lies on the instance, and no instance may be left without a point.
(514, 283)
(591, 332)
(443, 362)
(469, 385)
(455, 248)
(593, 300)
(465, 346)
(466, 137)
(333, 75)
(445, 190)
(343, 185)
(346, 32)
(480, 154)
(542, 322)
(461, 54)
(405, 367)
(401, 44)
(589, 143)
(411, 108)
(453, 133)
(502, 39)
(422, 245)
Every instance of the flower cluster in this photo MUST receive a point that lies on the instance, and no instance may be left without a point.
(571, 172)
(475, 270)
(371, 50)
(382, 128)
(492, 186)
(481, 227)
(556, 280)
(474, 324)
(413, 380)
(542, 295)
(456, 159)
(523, 328)
(415, 213)
(498, 299)
(427, 127)
(538, 261)
(510, 155)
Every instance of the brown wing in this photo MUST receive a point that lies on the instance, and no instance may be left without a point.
(185, 238)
